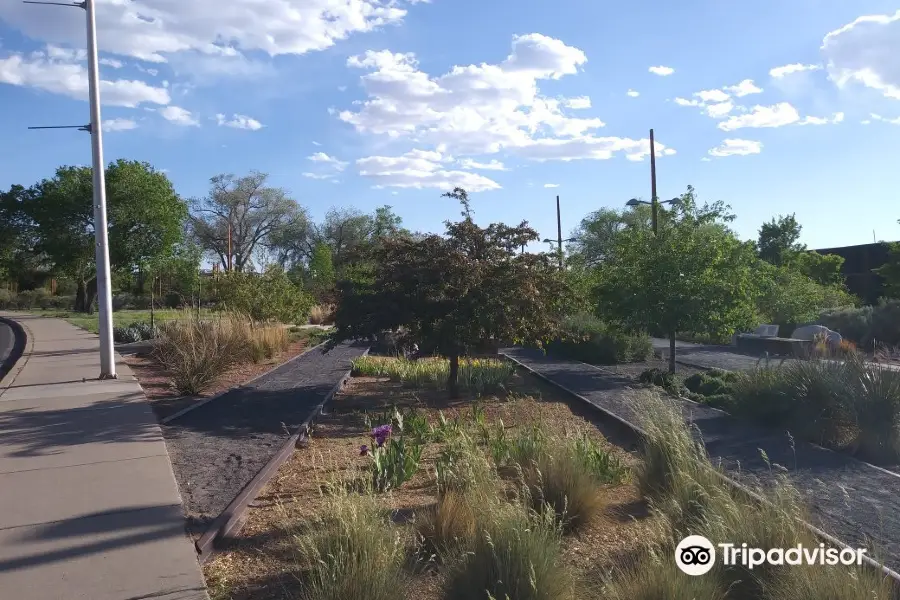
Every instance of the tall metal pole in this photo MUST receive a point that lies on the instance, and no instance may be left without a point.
(104, 285)
(559, 234)
(653, 200)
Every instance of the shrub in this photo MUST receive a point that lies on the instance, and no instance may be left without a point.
(321, 314)
(31, 299)
(601, 463)
(565, 487)
(354, 554)
(588, 339)
(126, 335)
(196, 352)
(57, 302)
(664, 379)
(448, 526)
(655, 579)
(515, 554)
(7, 299)
(267, 296)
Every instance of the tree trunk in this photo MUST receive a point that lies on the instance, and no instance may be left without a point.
(672, 351)
(453, 379)
(81, 297)
(91, 294)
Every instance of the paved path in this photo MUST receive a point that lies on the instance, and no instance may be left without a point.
(710, 356)
(219, 447)
(856, 502)
(89, 509)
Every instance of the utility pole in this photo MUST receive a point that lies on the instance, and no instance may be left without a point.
(559, 234)
(229, 245)
(654, 203)
(101, 253)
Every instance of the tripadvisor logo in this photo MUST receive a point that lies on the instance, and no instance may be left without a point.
(696, 555)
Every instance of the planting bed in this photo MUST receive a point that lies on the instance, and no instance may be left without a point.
(261, 563)
(219, 447)
(851, 500)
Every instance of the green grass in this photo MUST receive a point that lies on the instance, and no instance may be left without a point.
(480, 375)
(121, 318)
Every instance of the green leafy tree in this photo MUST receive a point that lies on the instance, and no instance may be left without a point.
(596, 235)
(824, 269)
(245, 210)
(321, 271)
(145, 219)
(694, 276)
(455, 292)
(778, 239)
(890, 271)
(789, 298)
(266, 296)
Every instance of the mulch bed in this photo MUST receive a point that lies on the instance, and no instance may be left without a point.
(261, 562)
(166, 400)
(219, 447)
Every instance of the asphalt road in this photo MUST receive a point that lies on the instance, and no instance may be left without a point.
(7, 341)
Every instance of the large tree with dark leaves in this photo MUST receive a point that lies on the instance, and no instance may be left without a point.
(452, 293)
(145, 220)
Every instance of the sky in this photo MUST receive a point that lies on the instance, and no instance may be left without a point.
(772, 106)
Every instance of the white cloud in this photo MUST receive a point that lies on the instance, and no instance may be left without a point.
(119, 124)
(60, 71)
(836, 118)
(153, 30)
(876, 117)
(784, 71)
(551, 185)
(111, 62)
(321, 157)
(661, 70)
(420, 169)
(706, 159)
(712, 96)
(578, 103)
(481, 109)
(686, 102)
(494, 165)
(238, 122)
(319, 176)
(179, 116)
(315, 143)
(736, 147)
(866, 52)
(633, 93)
(744, 88)
(719, 110)
(777, 115)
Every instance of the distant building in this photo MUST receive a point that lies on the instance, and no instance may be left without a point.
(857, 269)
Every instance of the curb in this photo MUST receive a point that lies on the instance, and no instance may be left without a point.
(9, 368)
(734, 484)
(199, 403)
(232, 518)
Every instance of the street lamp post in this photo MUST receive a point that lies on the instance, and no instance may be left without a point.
(101, 253)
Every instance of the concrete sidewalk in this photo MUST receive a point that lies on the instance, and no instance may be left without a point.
(89, 508)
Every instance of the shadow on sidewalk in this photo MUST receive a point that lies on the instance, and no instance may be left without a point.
(128, 528)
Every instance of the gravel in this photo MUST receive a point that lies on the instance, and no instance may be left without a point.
(219, 447)
(853, 501)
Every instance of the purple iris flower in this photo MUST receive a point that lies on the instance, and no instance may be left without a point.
(363, 450)
(381, 434)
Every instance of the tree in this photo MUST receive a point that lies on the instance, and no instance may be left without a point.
(17, 236)
(321, 271)
(253, 211)
(265, 296)
(789, 298)
(455, 292)
(695, 275)
(890, 271)
(824, 269)
(596, 235)
(778, 239)
(144, 214)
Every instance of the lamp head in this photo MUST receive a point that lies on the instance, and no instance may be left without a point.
(633, 202)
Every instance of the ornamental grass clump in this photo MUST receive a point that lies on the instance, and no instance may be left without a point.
(354, 553)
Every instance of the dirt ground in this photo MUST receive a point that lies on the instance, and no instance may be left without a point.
(261, 563)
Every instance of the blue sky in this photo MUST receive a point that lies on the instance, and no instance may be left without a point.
(772, 106)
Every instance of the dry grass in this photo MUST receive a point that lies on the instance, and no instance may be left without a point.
(195, 352)
(321, 314)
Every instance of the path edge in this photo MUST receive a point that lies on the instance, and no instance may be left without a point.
(10, 367)
(869, 561)
(231, 520)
